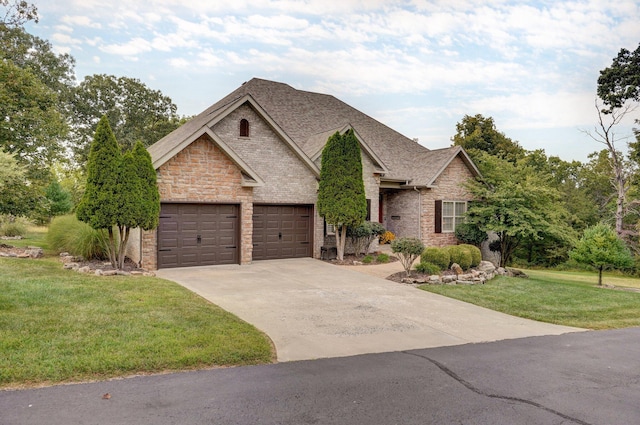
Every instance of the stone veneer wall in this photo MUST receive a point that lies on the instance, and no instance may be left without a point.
(203, 173)
(288, 180)
(449, 187)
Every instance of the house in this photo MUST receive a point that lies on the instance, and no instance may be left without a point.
(238, 182)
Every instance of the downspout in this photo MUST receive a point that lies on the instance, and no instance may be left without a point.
(419, 212)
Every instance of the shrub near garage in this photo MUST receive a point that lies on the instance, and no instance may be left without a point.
(460, 255)
(428, 268)
(437, 256)
(476, 254)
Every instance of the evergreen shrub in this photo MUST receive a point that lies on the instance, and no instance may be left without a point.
(460, 255)
(437, 256)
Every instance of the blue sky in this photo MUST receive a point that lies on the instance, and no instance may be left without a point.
(417, 66)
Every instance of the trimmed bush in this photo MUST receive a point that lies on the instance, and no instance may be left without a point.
(460, 255)
(408, 249)
(437, 256)
(428, 268)
(367, 259)
(383, 258)
(68, 234)
(476, 254)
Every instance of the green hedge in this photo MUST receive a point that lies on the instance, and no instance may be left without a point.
(437, 256)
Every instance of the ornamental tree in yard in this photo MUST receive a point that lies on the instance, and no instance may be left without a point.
(601, 248)
(341, 196)
(120, 194)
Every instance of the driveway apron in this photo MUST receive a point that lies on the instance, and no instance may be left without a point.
(311, 309)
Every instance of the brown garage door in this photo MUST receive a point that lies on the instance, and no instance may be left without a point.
(282, 231)
(198, 235)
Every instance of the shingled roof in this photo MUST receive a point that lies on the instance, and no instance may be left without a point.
(307, 117)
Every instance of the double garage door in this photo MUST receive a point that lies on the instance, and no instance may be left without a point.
(209, 234)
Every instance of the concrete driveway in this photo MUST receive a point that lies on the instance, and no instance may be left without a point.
(311, 309)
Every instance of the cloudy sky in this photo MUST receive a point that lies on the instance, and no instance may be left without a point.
(416, 65)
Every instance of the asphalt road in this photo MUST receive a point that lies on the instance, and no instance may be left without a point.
(577, 378)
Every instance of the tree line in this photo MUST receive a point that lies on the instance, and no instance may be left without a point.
(49, 118)
(538, 206)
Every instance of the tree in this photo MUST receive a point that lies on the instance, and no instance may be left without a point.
(100, 203)
(149, 195)
(408, 249)
(517, 204)
(121, 191)
(621, 81)
(13, 199)
(479, 134)
(9, 169)
(57, 201)
(600, 247)
(341, 196)
(17, 13)
(617, 85)
(135, 112)
(31, 125)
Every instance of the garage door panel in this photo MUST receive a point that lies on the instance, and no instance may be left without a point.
(281, 231)
(194, 234)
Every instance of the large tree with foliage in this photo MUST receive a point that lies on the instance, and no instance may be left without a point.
(135, 112)
(620, 82)
(618, 85)
(479, 134)
(516, 204)
(17, 12)
(341, 196)
(31, 124)
(600, 247)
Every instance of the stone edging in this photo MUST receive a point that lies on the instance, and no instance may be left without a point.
(484, 272)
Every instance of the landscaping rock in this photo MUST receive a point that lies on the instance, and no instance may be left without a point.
(85, 269)
(35, 252)
(70, 266)
(486, 266)
(516, 273)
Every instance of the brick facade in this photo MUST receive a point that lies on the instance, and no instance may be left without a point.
(288, 180)
(448, 187)
(202, 173)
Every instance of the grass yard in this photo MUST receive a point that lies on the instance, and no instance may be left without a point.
(588, 277)
(552, 297)
(60, 326)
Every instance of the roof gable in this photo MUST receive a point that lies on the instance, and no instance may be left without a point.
(315, 145)
(170, 145)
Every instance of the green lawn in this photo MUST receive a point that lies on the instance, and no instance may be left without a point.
(588, 277)
(60, 326)
(552, 297)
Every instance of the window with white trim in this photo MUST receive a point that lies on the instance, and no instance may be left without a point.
(452, 214)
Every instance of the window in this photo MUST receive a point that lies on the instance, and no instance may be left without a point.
(330, 229)
(244, 128)
(449, 214)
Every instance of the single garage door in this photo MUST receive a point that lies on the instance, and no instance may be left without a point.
(198, 235)
(282, 231)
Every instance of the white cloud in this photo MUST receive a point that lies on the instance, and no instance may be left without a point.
(130, 49)
(80, 21)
